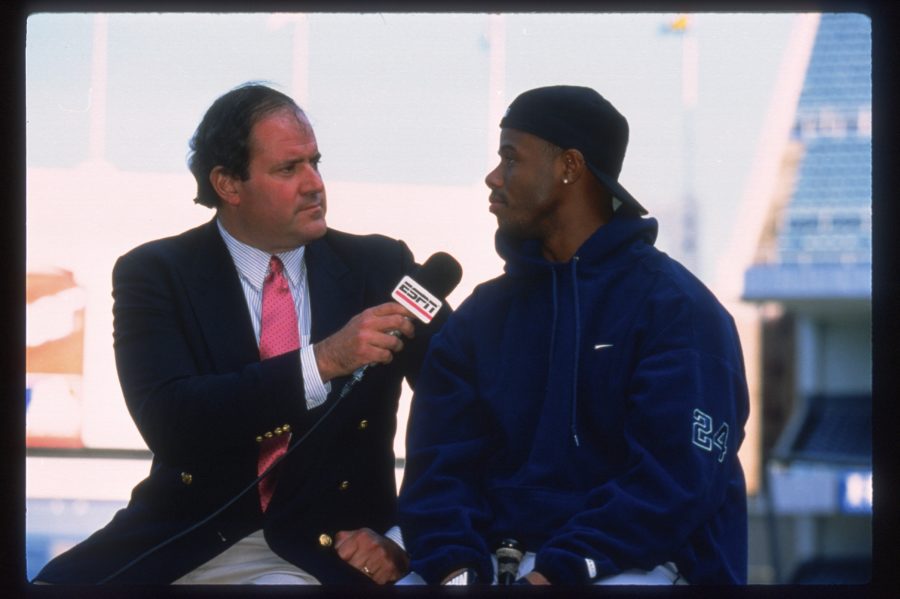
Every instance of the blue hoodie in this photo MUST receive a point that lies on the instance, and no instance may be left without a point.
(592, 410)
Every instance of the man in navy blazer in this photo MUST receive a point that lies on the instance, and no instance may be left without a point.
(186, 332)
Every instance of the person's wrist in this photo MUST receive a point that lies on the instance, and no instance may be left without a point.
(324, 364)
(535, 578)
(399, 555)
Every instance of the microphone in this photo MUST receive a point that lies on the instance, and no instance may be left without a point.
(509, 556)
(437, 277)
(422, 296)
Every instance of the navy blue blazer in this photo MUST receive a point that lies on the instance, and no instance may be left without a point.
(193, 382)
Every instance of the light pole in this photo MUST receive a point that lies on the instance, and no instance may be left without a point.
(684, 25)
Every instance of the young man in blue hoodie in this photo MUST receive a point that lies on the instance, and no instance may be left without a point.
(590, 402)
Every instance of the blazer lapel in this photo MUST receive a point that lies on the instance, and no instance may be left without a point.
(219, 303)
(336, 293)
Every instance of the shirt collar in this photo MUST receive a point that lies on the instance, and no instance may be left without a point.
(253, 263)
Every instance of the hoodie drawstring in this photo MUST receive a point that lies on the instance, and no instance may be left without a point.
(552, 331)
(576, 353)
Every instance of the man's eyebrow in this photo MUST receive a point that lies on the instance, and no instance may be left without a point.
(291, 161)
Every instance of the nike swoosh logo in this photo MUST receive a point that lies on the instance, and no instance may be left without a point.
(603, 345)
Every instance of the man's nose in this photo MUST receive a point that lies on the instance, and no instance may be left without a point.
(493, 179)
(311, 181)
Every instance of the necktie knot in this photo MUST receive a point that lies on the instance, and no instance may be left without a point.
(275, 266)
(276, 274)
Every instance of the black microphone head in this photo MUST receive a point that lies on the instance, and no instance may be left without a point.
(440, 274)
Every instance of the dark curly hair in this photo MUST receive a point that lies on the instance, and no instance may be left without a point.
(223, 136)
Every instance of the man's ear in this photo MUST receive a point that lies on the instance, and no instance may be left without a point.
(573, 165)
(226, 185)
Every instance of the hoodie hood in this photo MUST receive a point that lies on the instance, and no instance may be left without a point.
(523, 258)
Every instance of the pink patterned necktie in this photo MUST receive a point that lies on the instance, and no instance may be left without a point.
(278, 335)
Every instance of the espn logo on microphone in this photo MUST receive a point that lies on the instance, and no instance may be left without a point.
(416, 299)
